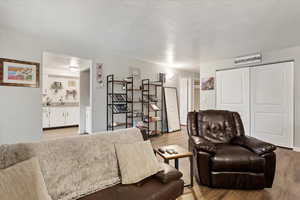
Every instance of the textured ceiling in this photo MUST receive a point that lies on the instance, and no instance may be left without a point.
(179, 33)
(62, 62)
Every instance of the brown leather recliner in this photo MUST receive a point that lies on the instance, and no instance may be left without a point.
(224, 157)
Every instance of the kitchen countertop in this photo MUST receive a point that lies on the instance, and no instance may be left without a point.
(62, 105)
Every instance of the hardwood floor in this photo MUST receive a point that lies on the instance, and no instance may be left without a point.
(59, 133)
(286, 184)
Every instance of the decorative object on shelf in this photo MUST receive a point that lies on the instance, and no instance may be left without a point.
(135, 72)
(56, 85)
(208, 83)
(71, 92)
(162, 77)
(19, 73)
(154, 107)
(72, 83)
(48, 101)
(61, 100)
(99, 71)
(140, 124)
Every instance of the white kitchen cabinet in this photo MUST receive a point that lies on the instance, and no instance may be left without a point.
(60, 116)
(57, 116)
(46, 118)
(72, 116)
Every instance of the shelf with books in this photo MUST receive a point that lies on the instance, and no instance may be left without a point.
(152, 106)
(119, 102)
(118, 124)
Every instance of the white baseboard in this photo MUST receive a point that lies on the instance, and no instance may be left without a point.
(296, 149)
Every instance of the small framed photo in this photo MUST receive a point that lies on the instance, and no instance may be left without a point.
(208, 83)
(19, 73)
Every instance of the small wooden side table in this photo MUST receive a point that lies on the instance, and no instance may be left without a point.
(181, 153)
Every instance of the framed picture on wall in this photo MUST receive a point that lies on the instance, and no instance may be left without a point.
(19, 73)
(208, 83)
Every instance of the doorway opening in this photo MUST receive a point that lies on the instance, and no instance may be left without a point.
(66, 95)
(189, 97)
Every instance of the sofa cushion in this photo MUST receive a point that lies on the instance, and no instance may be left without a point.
(136, 161)
(152, 189)
(234, 158)
(23, 181)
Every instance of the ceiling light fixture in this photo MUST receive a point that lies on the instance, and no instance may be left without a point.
(74, 68)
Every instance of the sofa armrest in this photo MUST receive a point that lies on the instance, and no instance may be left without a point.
(257, 146)
(202, 144)
(168, 174)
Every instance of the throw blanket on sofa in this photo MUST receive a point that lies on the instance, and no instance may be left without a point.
(74, 166)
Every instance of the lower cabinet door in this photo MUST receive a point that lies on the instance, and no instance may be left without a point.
(46, 118)
(57, 117)
(72, 116)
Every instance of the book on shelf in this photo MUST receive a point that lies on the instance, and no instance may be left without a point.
(119, 97)
(119, 108)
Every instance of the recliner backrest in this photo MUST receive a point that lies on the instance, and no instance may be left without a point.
(217, 126)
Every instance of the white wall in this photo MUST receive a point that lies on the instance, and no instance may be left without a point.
(21, 111)
(119, 66)
(207, 98)
(84, 98)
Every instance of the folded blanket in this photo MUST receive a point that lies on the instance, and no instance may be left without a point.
(74, 166)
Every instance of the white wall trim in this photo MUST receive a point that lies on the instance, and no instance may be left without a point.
(296, 149)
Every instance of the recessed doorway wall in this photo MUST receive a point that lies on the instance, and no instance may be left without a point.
(65, 94)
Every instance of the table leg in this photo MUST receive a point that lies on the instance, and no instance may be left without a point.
(176, 163)
(166, 161)
(192, 171)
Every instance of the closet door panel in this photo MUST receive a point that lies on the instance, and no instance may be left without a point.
(233, 93)
(272, 103)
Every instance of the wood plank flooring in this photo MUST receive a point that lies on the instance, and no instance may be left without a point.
(286, 184)
(59, 133)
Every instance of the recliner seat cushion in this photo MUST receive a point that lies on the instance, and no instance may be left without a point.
(233, 158)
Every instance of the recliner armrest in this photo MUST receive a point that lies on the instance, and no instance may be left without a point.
(168, 174)
(203, 144)
(257, 146)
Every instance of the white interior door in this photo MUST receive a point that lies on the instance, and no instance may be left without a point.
(233, 93)
(272, 103)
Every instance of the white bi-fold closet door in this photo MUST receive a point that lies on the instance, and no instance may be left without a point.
(233, 93)
(269, 114)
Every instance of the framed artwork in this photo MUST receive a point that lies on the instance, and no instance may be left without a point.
(99, 71)
(208, 83)
(19, 73)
